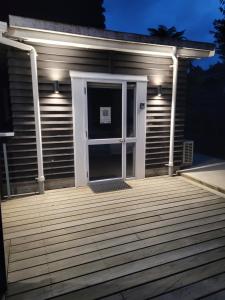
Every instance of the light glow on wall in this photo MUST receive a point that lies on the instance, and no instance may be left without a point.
(159, 90)
(56, 86)
(56, 74)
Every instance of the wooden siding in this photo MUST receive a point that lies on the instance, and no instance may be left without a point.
(164, 237)
(56, 110)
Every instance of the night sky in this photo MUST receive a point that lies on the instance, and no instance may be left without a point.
(195, 16)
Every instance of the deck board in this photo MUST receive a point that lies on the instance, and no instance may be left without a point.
(85, 212)
(54, 212)
(164, 237)
(84, 236)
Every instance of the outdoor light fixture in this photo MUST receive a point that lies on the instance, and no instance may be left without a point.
(56, 86)
(159, 90)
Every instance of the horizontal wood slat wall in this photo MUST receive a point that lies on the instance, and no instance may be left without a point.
(56, 110)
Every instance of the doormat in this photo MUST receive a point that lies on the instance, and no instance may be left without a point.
(109, 186)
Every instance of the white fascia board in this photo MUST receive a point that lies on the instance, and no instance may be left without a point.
(97, 43)
(194, 53)
(71, 40)
(212, 53)
(107, 76)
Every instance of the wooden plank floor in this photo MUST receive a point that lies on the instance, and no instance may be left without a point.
(162, 239)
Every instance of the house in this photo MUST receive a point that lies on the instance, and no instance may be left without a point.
(90, 104)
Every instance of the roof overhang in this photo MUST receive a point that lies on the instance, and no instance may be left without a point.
(51, 33)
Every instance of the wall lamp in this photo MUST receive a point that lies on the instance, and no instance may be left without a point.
(56, 86)
(159, 90)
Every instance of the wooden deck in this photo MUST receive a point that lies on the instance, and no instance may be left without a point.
(162, 239)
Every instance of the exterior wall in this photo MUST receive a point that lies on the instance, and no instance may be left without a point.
(56, 111)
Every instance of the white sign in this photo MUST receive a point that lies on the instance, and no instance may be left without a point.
(105, 115)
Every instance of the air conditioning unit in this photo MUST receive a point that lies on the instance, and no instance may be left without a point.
(3, 27)
(188, 153)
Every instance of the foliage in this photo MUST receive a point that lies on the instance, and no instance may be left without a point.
(219, 32)
(77, 12)
(205, 108)
(167, 32)
(222, 6)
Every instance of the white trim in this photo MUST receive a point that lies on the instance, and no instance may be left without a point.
(79, 131)
(105, 180)
(74, 136)
(124, 129)
(112, 45)
(141, 97)
(107, 77)
(104, 141)
(43, 36)
(80, 123)
(34, 25)
(131, 139)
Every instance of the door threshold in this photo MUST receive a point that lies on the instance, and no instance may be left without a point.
(105, 180)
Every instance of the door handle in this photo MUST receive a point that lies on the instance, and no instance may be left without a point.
(122, 140)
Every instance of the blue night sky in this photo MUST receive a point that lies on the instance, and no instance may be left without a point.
(195, 16)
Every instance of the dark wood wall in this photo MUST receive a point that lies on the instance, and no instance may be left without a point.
(56, 110)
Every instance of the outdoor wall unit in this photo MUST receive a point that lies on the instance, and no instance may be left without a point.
(188, 153)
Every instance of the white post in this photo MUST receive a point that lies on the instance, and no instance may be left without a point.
(141, 96)
(173, 112)
(37, 119)
(80, 138)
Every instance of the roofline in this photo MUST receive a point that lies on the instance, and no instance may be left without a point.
(16, 21)
(39, 31)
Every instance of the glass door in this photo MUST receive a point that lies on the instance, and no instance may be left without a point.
(111, 134)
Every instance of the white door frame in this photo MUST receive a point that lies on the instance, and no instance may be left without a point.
(79, 105)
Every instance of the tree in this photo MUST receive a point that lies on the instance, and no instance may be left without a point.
(219, 33)
(77, 12)
(167, 32)
(222, 7)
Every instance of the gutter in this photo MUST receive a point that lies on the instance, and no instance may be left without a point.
(37, 119)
